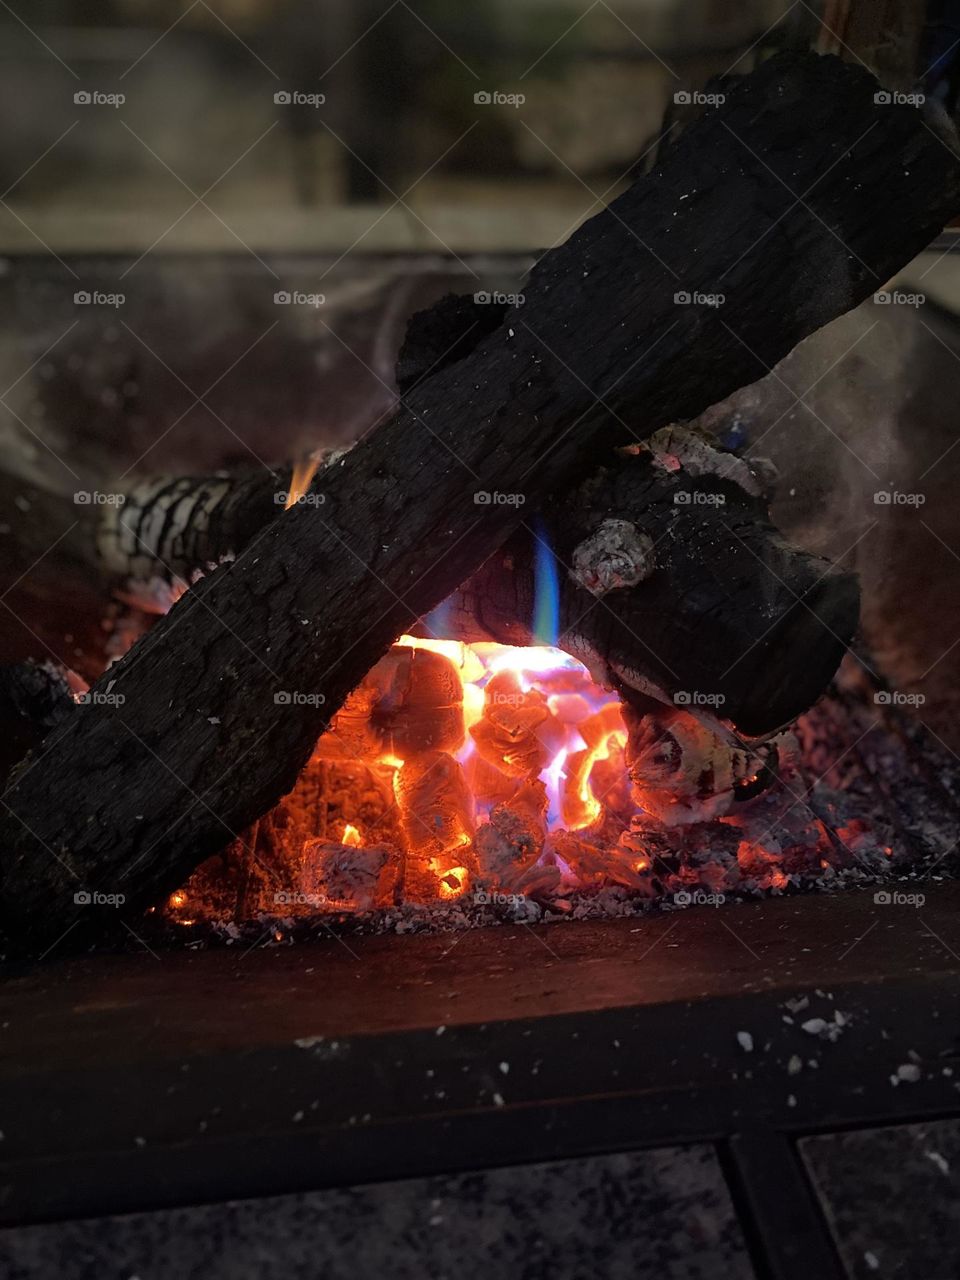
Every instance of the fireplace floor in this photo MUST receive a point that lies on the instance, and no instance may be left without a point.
(143, 1082)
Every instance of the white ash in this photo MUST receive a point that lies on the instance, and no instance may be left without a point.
(616, 555)
(745, 1041)
(908, 1072)
(825, 1030)
(678, 447)
(940, 1161)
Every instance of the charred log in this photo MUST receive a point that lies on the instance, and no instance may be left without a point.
(131, 796)
(729, 616)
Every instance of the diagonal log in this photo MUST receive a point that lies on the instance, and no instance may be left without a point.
(796, 198)
(729, 609)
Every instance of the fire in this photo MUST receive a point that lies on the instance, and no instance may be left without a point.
(301, 476)
(459, 771)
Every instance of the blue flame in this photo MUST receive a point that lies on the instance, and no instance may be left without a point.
(546, 600)
(437, 621)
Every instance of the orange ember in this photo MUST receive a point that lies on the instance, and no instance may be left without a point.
(486, 773)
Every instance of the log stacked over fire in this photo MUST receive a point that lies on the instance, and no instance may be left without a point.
(131, 795)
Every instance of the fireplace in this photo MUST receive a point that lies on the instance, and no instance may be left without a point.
(530, 772)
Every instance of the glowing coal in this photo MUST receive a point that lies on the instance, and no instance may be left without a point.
(461, 774)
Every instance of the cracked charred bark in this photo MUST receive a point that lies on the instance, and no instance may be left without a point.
(795, 199)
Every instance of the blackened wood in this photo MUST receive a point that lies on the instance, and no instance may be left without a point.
(732, 611)
(732, 617)
(35, 697)
(795, 199)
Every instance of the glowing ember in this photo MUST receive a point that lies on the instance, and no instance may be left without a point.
(489, 774)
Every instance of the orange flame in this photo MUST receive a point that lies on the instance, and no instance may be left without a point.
(300, 478)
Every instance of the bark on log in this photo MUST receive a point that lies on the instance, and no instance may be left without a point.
(795, 199)
(730, 610)
(731, 617)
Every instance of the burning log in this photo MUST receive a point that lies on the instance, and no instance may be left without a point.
(132, 795)
(35, 698)
(726, 617)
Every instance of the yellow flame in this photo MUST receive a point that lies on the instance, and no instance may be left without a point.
(459, 876)
(303, 473)
(461, 655)
(351, 836)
